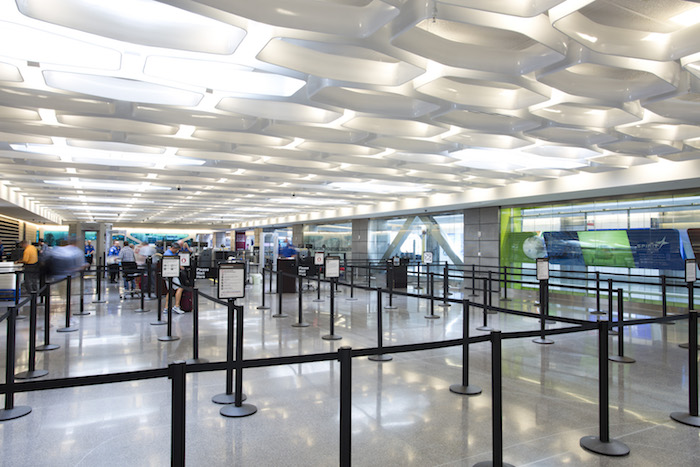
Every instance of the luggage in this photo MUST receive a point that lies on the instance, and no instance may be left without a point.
(186, 300)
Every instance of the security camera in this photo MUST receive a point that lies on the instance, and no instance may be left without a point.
(293, 195)
(178, 188)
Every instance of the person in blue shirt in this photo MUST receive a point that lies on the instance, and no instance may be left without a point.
(113, 262)
(89, 252)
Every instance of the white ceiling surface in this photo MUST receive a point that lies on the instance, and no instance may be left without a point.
(282, 111)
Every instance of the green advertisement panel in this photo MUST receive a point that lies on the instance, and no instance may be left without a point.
(522, 247)
(606, 248)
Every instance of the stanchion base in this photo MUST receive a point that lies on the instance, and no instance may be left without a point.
(318, 300)
(141, 310)
(46, 347)
(68, 329)
(280, 315)
(391, 307)
(611, 448)
(99, 301)
(506, 299)
(684, 346)
(226, 399)
(160, 322)
(31, 374)
(16, 412)
(491, 312)
(81, 313)
(686, 418)
(331, 337)
(444, 305)
(542, 340)
(470, 390)
(351, 299)
(20, 317)
(301, 325)
(491, 464)
(485, 328)
(196, 360)
(380, 358)
(621, 359)
(431, 317)
(263, 308)
(168, 338)
(234, 411)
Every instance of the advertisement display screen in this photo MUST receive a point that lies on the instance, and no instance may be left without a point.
(564, 248)
(606, 248)
(657, 249)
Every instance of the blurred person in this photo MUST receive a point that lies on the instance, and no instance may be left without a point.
(89, 252)
(66, 260)
(144, 252)
(30, 259)
(112, 261)
(184, 247)
(127, 258)
(2, 251)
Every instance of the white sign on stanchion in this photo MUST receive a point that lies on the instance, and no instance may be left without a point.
(170, 266)
(231, 280)
(318, 258)
(690, 270)
(397, 261)
(184, 259)
(428, 257)
(542, 269)
(333, 267)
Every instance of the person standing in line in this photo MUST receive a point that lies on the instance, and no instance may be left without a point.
(112, 261)
(30, 259)
(174, 250)
(127, 258)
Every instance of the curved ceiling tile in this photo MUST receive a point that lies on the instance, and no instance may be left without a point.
(209, 120)
(597, 116)
(667, 29)
(421, 158)
(683, 107)
(611, 78)
(432, 177)
(479, 40)
(10, 72)
(359, 160)
(486, 94)
(484, 140)
(300, 165)
(12, 138)
(372, 102)
(241, 138)
(278, 110)
(569, 152)
(14, 113)
(218, 156)
(573, 136)
(509, 7)
(373, 171)
(157, 140)
(144, 22)
(115, 146)
(39, 129)
(412, 145)
(356, 18)
(338, 62)
(121, 89)
(272, 152)
(490, 122)
(661, 131)
(116, 124)
(335, 148)
(632, 146)
(685, 155)
(316, 133)
(621, 160)
(394, 127)
(54, 100)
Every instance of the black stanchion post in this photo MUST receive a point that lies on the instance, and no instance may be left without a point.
(486, 326)
(332, 336)
(620, 357)
(318, 286)
(238, 408)
(431, 291)
(418, 287)
(487, 296)
(390, 286)
(603, 444)
(32, 372)
(11, 412)
(300, 323)
(505, 284)
(159, 296)
(178, 376)
(47, 322)
(18, 288)
(82, 311)
(691, 296)
(664, 306)
(279, 313)
(169, 337)
(544, 306)
(262, 293)
(692, 417)
(496, 405)
(228, 397)
(473, 294)
(195, 330)
(345, 358)
(381, 356)
(142, 307)
(68, 327)
(610, 306)
(98, 282)
(465, 388)
(445, 286)
(597, 296)
(352, 285)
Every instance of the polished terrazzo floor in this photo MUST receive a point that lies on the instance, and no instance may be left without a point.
(403, 412)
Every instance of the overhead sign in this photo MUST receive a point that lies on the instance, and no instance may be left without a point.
(318, 258)
(428, 257)
(170, 266)
(184, 259)
(231, 280)
(333, 267)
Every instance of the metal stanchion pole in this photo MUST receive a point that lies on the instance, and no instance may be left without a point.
(47, 322)
(473, 294)
(332, 336)
(279, 313)
(543, 313)
(610, 307)
(300, 323)
(159, 295)
(142, 307)
(381, 356)
(32, 372)
(345, 358)
(11, 412)
(238, 408)
(262, 294)
(98, 284)
(169, 337)
(620, 357)
(597, 296)
(418, 287)
(228, 397)
(692, 417)
(602, 444)
(431, 290)
(195, 330)
(178, 376)
(352, 285)
(505, 285)
(465, 388)
(82, 311)
(390, 286)
(68, 327)
(445, 287)
(664, 306)
(486, 326)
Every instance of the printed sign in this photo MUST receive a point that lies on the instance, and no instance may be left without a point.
(542, 269)
(231, 280)
(303, 271)
(202, 273)
(428, 257)
(690, 270)
(184, 259)
(318, 258)
(333, 267)
(170, 266)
